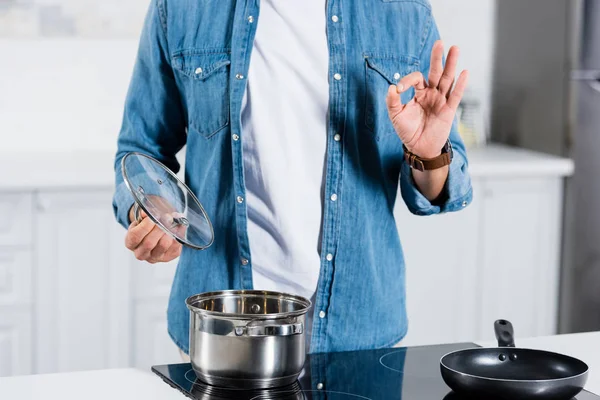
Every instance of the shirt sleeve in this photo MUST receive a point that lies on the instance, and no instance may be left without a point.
(153, 120)
(458, 192)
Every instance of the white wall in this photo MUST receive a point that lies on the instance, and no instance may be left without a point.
(68, 18)
(63, 94)
(67, 93)
(64, 71)
(470, 24)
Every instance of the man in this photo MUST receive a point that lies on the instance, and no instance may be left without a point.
(301, 120)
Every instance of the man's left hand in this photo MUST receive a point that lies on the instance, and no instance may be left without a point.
(425, 122)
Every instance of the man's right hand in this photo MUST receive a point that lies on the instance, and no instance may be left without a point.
(149, 242)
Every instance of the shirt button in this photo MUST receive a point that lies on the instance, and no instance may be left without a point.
(240, 199)
(198, 71)
(396, 76)
(464, 204)
(244, 261)
(322, 314)
(329, 257)
(239, 76)
(337, 77)
(235, 137)
(334, 197)
(337, 137)
(335, 18)
(251, 19)
(319, 386)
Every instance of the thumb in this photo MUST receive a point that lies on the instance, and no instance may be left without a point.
(393, 102)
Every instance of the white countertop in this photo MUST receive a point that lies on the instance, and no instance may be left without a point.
(129, 384)
(94, 169)
(110, 384)
(503, 161)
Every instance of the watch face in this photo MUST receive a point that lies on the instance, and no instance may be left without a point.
(448, 146)
(448, 149)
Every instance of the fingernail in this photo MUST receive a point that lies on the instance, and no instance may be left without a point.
(400, 88)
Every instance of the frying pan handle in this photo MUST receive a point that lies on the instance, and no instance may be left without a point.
(505, 334)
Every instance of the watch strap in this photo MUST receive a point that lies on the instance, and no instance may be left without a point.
(428, 164)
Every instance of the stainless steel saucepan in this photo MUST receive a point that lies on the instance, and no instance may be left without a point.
(247, 338)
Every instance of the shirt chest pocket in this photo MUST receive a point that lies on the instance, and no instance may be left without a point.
(381, 71)
(204, 83)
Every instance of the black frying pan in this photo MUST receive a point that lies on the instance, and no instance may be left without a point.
(511, 373)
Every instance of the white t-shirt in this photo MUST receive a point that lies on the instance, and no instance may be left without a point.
(284, 119)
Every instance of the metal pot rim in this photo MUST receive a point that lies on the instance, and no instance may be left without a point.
(190, 301)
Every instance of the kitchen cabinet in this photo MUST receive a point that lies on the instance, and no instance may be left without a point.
(16, 310)
(152, 284)
(15, 340)
(15, 225)
(442, 272)
(520, 255)
(82, 285)
(499, 258)
(73, 298)
(15, 276)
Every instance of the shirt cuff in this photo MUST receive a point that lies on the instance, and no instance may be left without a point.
(458, 192)
(122, 203)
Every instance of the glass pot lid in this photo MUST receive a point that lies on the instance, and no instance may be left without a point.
(166, 200)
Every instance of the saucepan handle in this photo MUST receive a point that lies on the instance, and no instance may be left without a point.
(270, 330)
(505, 334)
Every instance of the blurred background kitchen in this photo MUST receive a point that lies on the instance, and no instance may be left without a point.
(527, 249)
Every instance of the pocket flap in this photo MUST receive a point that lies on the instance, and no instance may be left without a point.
(392, 68)
(200, 66)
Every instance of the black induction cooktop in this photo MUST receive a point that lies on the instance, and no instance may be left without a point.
(411, 373)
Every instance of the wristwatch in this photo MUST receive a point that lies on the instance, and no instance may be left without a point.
(428, 164)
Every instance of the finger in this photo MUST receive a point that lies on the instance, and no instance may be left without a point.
(163, 204)
(415, 80)
(436, 67)
(161, 247)
(173, 252)
(169, 219)
(166, 220)
(457, 94)
(393, 102)
(449, 74)
(179, 230)
(142, 252)
(132, 215)
(137, 232)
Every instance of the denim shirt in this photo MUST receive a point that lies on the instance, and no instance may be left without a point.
(186, 90)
